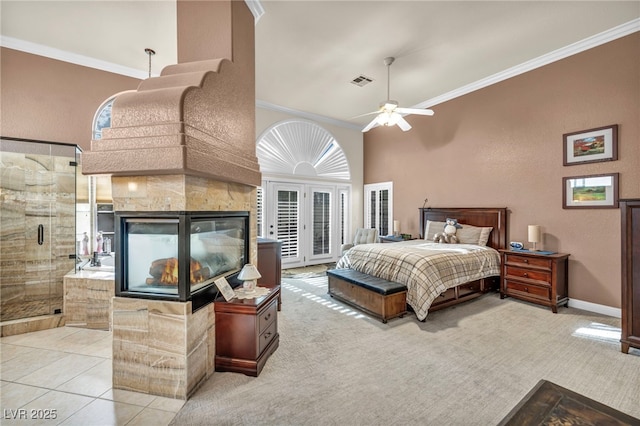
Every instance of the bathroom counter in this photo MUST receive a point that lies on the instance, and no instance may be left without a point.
(87, 298)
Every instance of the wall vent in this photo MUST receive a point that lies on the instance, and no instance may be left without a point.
(361, 80)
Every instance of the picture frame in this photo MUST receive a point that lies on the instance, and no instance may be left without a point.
(591, 146)
(590, 191)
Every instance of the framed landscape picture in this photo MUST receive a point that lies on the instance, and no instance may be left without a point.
(590, 146)
(589, 192)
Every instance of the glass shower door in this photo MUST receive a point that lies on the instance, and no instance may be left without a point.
(37, 226)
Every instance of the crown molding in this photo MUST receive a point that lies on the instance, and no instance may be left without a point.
(256, 9)
(556, 55)
(307, 115)
(74, 58)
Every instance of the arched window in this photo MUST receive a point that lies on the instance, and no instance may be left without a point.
(301, 148)
(102, 117)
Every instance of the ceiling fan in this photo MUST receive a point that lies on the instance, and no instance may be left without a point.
(389, 113)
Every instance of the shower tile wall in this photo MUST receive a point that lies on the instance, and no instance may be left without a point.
(37, 186)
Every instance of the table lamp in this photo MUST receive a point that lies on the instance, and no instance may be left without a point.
(534, 236)
(249, 275)
(396, 228)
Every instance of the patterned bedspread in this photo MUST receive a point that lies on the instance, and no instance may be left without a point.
(427, 269)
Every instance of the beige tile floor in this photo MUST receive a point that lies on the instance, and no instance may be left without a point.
(64, 374)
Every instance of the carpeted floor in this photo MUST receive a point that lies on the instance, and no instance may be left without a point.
(308, 271)
(466, 365)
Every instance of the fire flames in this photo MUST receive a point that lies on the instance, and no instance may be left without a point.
(170, 272)
(196, 275)
(165, 272)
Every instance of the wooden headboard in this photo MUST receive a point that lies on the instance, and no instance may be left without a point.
(482, 216)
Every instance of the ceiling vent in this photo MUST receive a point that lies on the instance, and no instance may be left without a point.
(361, 80)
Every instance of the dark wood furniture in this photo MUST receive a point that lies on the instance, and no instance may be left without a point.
(493, 217)
(481, 216)
(630, 211)
(270, 264)
(550, 404)
(537, 278)
(378, 297)
(246, 333)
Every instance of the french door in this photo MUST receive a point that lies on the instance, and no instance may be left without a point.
(378, 207)
(303, 218)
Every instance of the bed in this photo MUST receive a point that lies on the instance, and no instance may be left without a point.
(439, 275)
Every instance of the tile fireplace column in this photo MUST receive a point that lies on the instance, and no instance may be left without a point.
(183, 141)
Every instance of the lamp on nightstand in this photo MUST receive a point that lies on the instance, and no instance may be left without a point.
(396, 228)
(534, 236)
(249, 275)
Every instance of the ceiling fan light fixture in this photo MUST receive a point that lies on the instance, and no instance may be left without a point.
(388, 118)
(394, 117)
(383, 118)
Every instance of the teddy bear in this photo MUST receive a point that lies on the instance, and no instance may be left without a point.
(449, 234)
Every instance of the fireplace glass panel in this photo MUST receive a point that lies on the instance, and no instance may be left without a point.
(179, 255)
(217, 249)
(152, 261)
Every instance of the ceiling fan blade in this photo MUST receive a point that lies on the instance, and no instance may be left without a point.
(403, 124)
(365, 114)
(371, 125)
(417, 111)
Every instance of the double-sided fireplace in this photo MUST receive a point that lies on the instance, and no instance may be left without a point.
(178, 255)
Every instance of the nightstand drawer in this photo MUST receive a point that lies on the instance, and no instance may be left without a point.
(267, 336)
(267, 316)
(540, 262)
(530, 290)
(532, 274)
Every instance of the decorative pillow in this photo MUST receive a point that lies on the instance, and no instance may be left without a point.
(432, 228)
(470, 234)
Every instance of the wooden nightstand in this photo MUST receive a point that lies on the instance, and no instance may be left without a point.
(246, 333)
(536, 278)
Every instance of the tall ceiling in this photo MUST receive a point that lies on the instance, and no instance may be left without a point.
(307, 52)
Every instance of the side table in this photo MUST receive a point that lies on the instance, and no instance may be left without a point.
(246, 333)
(536, 278)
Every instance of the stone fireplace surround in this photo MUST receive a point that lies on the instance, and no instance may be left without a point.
(184, 141)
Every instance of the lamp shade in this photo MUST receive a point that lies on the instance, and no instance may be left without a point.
(534, 233)
(249, 272)
(396, 226)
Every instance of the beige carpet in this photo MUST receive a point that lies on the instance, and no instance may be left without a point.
(467, 365)
(308, 271)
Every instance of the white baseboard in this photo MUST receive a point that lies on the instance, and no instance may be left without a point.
(594, 307)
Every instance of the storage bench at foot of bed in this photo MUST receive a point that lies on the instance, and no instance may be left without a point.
(378, 297)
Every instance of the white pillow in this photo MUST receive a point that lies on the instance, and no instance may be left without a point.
(432, 228)
(470, 234)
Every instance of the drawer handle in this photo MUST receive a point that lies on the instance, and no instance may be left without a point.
(267, 316)
(526, 261)
(525, 275)
(526, 289)
(267, 335)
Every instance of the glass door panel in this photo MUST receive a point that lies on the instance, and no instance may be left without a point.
(37, 226)
(321, 232)
(287, 226)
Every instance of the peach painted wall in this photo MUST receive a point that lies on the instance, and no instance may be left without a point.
(502, 146)
(47, 99)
